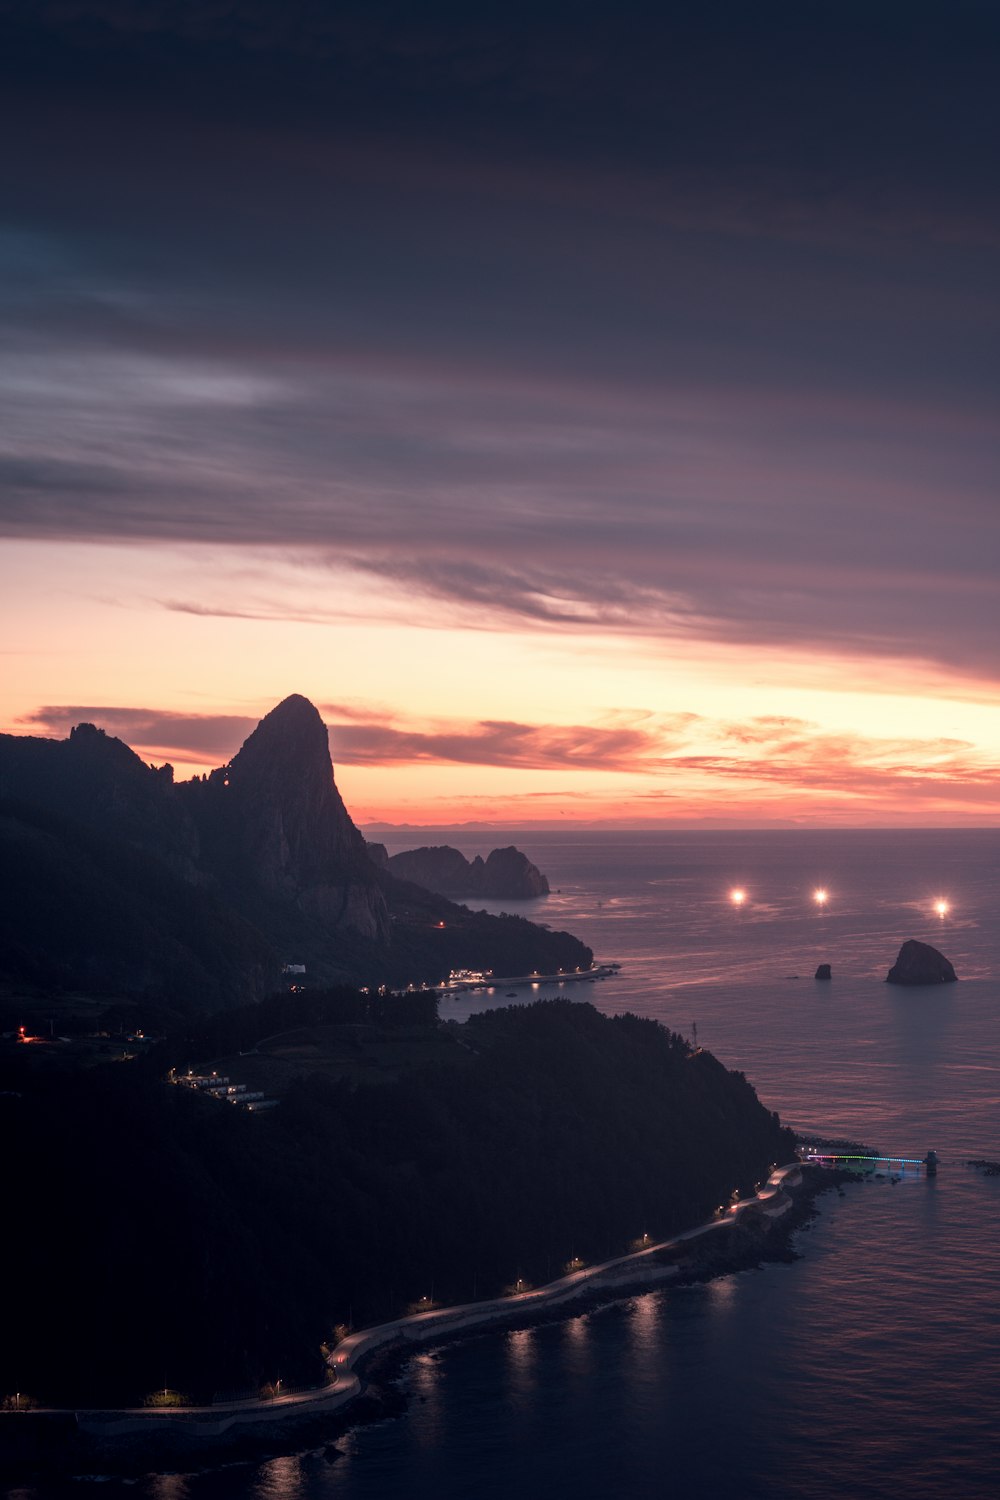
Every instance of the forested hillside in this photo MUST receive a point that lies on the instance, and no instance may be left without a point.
(166, 1238)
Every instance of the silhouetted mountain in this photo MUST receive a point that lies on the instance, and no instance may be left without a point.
(273, 821)
(124, 883)
(83, 911)
(98, 781)
(506, 874)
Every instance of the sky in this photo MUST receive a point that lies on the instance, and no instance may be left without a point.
(592, 409)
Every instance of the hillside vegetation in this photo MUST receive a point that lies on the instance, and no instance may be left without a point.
(169, 1239)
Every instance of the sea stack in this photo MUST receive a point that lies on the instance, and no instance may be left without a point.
(505, 873)
(823, 972)
(919, 964)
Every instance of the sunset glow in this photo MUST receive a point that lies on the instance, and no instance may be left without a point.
(542, 725)
(574, 488)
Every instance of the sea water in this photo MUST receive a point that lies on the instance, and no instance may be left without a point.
(870, 1367)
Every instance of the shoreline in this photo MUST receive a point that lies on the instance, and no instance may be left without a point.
(564, 976)
(136, 1440)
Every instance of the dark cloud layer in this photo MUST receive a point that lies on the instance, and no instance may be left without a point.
(680, 320)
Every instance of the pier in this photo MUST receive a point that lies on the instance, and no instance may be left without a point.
(833, 1158)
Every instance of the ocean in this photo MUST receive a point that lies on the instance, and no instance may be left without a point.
(870, 1366)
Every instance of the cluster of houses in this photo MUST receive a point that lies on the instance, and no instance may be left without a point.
(219, 1087)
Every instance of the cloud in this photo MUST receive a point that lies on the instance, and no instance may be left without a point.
(806, 518)
(795, 755)
(359, 737)
(540, 747)
(673, 758)
(192, 737)
(574, 332)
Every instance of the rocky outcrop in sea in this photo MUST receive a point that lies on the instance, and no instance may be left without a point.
(920, 964)
(504, 874)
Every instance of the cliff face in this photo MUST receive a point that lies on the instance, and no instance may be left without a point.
(505, 874)
(508, 872)
(275, 819)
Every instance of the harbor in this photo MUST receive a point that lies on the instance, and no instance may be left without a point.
(462, 981)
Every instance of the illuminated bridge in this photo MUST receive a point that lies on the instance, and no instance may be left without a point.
(832, 1158)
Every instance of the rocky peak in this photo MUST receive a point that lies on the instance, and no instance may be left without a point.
(287, 829)
(289, 746)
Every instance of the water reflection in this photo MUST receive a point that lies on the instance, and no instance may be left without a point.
(423, 1386)
(522, 1358)
(646, 1320)
(721, 1294)
(579, 1339)
(167, 1487)
(280, 1479)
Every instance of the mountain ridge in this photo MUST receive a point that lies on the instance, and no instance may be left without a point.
(97, 847)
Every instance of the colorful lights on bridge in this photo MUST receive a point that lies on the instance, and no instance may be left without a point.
(906, 1161)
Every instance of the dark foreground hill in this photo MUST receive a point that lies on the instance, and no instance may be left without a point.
(122, 883)
(163, 1238)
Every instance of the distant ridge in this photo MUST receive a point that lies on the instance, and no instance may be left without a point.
(123, 883)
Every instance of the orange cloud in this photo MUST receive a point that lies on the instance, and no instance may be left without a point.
(632, 765)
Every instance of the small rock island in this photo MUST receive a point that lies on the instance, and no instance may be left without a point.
(920, 964)
(504, 874)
